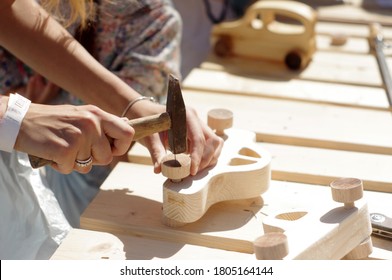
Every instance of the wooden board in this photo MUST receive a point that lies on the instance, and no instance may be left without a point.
(352, 45)
(314, 165)
(353, 30)
(288, 89)
(130, 205)
(301, 123)
(333, 67)
(321, 166)
(94, 245)
(355, 14)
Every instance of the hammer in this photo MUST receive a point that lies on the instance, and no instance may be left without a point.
(173, 120)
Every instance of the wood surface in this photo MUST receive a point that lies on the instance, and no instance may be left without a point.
(287, 89)
(301, 123)
(330, 225)
(353, 30)
(358, 12)
(340, 68)
(127, 204)
(95, 245)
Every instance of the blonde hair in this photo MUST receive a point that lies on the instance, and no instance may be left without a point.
(79, 11)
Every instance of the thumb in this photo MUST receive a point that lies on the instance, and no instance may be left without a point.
(156, 149)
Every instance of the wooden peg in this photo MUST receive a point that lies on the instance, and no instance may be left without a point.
(271, 246)
(219, 120)
(338, 39)
(347, 190)
(176, 166)
(362, 251)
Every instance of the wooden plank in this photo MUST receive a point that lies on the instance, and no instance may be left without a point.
(353, 30)
(82, 244)
(352, 45)
(127, 204)
(300, 123)
(321, 166)
(354, 14)
(343, 68)
(94, 245)
(290, 89)
(314, 165)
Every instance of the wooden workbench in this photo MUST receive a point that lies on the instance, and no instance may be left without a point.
(328, 121)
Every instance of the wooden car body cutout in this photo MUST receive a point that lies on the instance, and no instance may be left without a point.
(282, 31)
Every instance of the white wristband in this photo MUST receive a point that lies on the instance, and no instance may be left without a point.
(10, 123)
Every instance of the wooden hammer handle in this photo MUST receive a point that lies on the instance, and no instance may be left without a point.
(143, 127)
(149, 125)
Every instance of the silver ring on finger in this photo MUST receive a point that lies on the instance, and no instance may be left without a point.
(84, 163)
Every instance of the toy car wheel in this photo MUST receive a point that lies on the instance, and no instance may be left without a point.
(293, 60)
(223, 46)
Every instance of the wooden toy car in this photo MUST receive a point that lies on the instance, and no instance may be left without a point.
(282, 31)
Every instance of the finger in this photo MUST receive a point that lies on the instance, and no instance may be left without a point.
(101, 150)
(120, 132)
(84, 161)
(196, 148)
(208, 157)
(65, 164)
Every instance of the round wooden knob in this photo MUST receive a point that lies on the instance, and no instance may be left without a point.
(338, 39)
(347, 190)
(362, 251)
(271, 246)
(176, 167)
(219, 120)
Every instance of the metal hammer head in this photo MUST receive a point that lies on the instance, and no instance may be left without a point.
(176, 109)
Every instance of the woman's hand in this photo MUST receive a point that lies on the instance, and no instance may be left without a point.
(66, 133)
(204, 146)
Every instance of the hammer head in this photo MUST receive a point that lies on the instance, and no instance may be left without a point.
(176, 108)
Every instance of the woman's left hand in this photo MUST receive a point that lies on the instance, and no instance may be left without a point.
(204, 146)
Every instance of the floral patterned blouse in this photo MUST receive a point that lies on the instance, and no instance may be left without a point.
(139, 41)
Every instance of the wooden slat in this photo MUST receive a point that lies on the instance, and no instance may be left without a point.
(353, 30)
(128, 204)
(321, 166)
(300, 123)
(343, 68)
(354, 14)
(352, 45)
(94, 245)
(291, 89)
(314, 165)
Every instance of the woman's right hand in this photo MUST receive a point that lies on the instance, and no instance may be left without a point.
(65, 133)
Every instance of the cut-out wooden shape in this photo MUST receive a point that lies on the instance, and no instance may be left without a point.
(328, 231)
(242, 171)
(260, 34)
